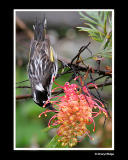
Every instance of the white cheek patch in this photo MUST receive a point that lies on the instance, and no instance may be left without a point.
(39, 87)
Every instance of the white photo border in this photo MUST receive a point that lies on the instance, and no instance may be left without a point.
(14, 70)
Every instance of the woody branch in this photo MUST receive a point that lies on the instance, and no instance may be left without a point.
(72, 65)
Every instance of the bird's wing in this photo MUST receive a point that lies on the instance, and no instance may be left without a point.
(40, 66)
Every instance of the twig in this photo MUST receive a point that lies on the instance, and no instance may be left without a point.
(24, 96)
(80, 51)
(61, 91)
(102, 76)
(74, 68)
(83, 67)
(65, 61)
(100, 85)
(22, 81)
(23, 87)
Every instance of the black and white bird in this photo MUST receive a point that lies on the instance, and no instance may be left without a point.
(42, 66)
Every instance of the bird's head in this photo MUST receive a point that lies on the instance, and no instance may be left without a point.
(40, 97)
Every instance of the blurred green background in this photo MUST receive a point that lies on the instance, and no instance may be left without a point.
(66, 40)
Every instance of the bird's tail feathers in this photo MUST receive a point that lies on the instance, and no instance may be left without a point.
(40, 30)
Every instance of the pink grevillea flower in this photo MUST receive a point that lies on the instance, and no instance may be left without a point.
(74, 113)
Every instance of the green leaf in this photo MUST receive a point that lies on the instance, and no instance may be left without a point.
(94, 19)
(95, 34)
(87, 18)
(105, 21)
(106, 53)
(98, 16)
(54, 142)
(101, 15)
(96, 39)
(110, 21)
(48, 128)
(45, 129)
(84, 29)
(94, 28)
(93, 14)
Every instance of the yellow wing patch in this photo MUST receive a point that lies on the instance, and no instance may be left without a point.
(51, 55)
